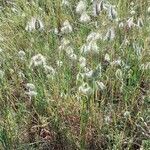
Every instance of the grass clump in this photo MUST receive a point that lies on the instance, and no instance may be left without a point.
(74, 74)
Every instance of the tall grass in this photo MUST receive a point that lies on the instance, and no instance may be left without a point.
(63, 89)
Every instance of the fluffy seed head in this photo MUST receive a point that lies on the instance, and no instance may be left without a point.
(112, 13)
(37, 60)
(66, 28)
(85, 89)
(30, 86)
(21, 54)
(85, 18)
(81, 7)
(34, 24)
(110, 35)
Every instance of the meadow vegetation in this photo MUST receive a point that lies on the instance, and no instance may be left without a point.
(74, 74)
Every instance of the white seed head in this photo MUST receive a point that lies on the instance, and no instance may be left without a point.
(30, 87)
(21, 75)
(132, 3)
(66, 28)
(21, 54)
(100, 6)
(130, 23)
(56, 31)
(126, 114)
(39, 24)
(93, 47)
(116, 62)
(112, 13)
(95, 11)
(97, 7)
(65, 3)
(82, 62)
(49, 70)
(81, 7)
(84, 49)
(64, 44)
(33, 24)
(69, 50)
(107, 57)
(121, 25)
(90, 47)
(85, 89)
(110, 35)
(80, 77)
(93, 36)
(73, 57)
(107, 119)
(37, 60)
(132, 12)
(59, 63)
(85, 18)
(88, 74)
(85, 69)
(140, 22)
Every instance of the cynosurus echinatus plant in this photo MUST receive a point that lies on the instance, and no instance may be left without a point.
(74, 74)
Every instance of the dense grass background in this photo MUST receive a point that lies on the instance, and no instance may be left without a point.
(114, 116)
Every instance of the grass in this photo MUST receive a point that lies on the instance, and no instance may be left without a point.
(71, 109)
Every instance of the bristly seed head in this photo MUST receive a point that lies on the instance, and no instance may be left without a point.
(81, 7)
(37, 60)
(110, 35)
(31, 90)
(85, 18)
(65, 3)
(34, 24)
(21, 54)
(66, 27)
(85, 89)
(112, 13)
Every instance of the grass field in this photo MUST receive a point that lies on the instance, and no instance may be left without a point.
(74, 75)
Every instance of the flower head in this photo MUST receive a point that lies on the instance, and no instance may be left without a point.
(31, 90)
(85, 89)
(140, 22)
(66, 28)
(85, 18)
(65, 3)
(21, 54)
(112, 13)
(107, 57)
(90, 47)
(81, 7)
(110, 35)
(34, 24)
(37, 60)
(49, 70)
(30, 86)
(82, 62)
(130, 23)
(93, 36)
